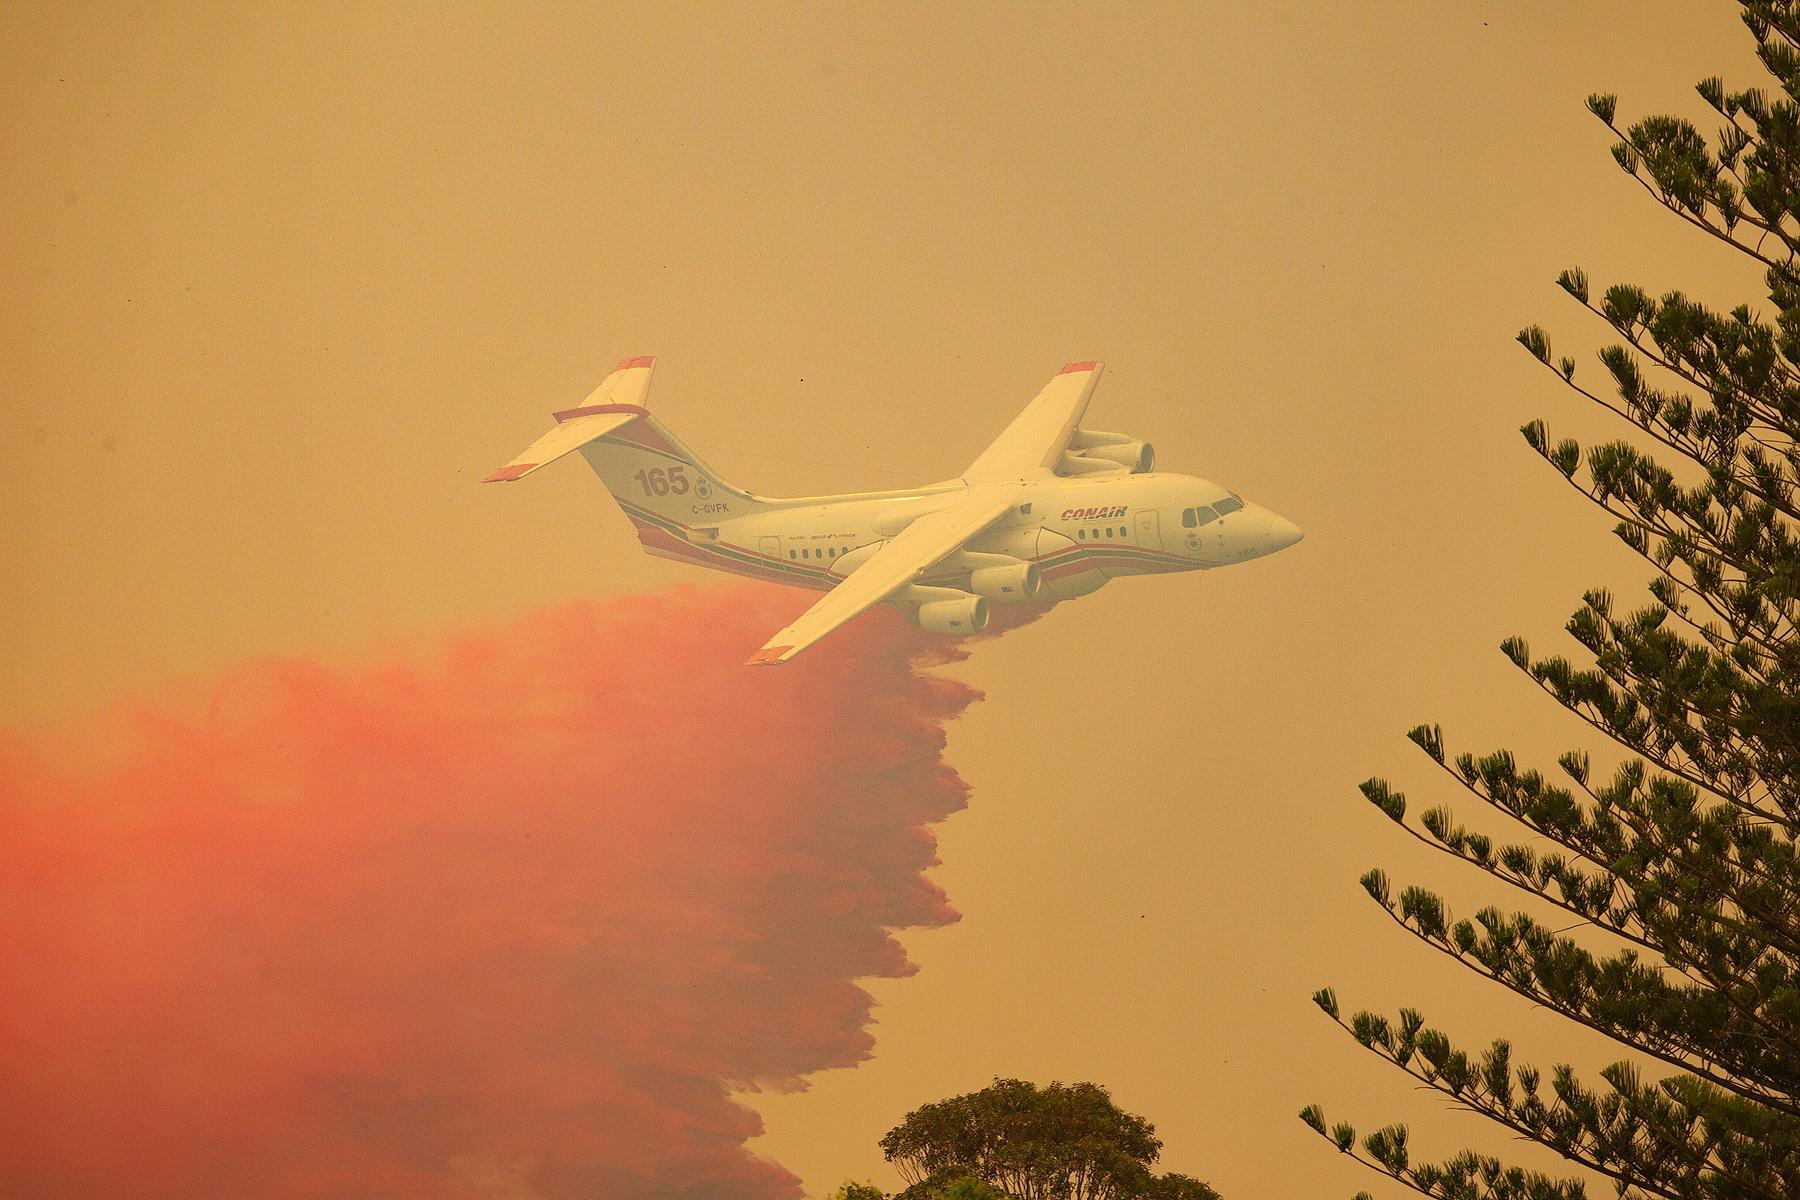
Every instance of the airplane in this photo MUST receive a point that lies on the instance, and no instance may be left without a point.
(1050, 511)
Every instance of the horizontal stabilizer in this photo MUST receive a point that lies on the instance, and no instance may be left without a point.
(618, 401)
(570, 435)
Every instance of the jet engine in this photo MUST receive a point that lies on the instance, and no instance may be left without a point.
(948, 611)
(1081, 464)
(1112, 449)
(1136, 457)
(1006, 579)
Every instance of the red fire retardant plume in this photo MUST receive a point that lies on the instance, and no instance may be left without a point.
(511, 919)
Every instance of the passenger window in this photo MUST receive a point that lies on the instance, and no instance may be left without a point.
(1228, 505)
(1187, 519)
(792, 554)
(1082, 534)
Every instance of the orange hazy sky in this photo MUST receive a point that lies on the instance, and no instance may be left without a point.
(282, 286)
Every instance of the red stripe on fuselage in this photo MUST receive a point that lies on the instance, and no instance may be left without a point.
(1078, 558)
(661, 541)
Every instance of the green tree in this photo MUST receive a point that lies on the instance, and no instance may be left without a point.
(967, 1187)
(1178, 1187)
(850, 1189)
(1061, 1142)
(1685, 856)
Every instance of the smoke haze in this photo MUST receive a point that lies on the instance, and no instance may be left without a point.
(509, 918)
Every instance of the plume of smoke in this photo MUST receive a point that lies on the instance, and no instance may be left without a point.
(509, 919)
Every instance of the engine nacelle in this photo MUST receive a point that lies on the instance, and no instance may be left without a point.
(1008, 582)
(948, 611)
(1136, 457)
(1115, 449)
(1081, 464)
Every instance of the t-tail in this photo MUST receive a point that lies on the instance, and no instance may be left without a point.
(669, 494)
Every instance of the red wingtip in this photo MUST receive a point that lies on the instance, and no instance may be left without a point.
(642, 360)
(768, 656)
(1071, 368)
(508, 474)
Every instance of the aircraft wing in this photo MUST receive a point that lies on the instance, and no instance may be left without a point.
(1037, 437)
(903, 559)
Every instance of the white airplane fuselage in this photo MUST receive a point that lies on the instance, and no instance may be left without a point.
(1051, 510)
(1079, 532)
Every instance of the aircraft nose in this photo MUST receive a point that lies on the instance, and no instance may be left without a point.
(1275, 532)
(1283, 532)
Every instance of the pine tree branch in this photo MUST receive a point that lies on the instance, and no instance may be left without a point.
(1480, 1101)
(1580, 710)
(1691, 1063)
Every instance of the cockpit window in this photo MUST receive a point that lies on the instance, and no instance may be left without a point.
(1188, 521)
(1228, 505)
(1205, 514)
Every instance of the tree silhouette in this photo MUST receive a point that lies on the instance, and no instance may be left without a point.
(1684, 856)
(850, 1189)
(1015, 1139)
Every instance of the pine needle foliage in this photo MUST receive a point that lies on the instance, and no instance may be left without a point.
(1686, 855)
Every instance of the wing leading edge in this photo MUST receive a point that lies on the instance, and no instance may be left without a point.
(903, 559)
(1038, 436)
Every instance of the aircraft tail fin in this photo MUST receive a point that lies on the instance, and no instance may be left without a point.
(657, 481)
(617, 402)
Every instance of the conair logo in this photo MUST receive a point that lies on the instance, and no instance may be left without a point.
(1093, 514)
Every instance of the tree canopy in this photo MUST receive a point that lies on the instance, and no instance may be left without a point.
(850, 1189)
(1684, 856)
(1061, 1142)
